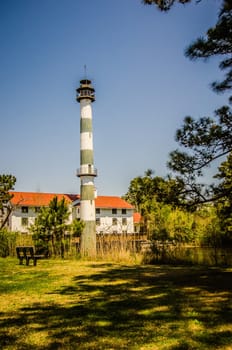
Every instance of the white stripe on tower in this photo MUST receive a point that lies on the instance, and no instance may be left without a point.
(85, 95)
(86, 140)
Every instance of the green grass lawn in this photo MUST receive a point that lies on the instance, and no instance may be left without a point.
(96, 305)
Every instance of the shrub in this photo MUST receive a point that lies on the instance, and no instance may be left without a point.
(8, 241)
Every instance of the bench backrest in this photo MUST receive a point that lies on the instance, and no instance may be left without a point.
(25, 252)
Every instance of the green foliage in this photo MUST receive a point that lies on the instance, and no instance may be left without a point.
(206, 140)
(7, 242)
(7, 183)
(176, 225)
(76, 228)
(213, 235)
(143, 190)
(4, 249)
(217, 41)
(224, 204)
(49, 228)
(164, 217)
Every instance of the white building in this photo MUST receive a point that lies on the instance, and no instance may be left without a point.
(26, 206)
(113, 214)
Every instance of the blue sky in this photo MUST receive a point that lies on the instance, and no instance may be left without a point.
(144, 87)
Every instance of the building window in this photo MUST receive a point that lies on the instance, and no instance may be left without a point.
(98, 211)
(24, 209)
(124, 221)
(114, 221)
(37, 209)
(114, 211)
(24, 221)
(123, 211)
(98, 222)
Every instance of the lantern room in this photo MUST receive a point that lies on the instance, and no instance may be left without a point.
(85, 91)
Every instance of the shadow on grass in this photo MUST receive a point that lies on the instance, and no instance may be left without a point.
(131, 308)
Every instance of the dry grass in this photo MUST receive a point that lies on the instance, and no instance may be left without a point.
(103, 305)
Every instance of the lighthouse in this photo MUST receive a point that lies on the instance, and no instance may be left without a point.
(87, 172)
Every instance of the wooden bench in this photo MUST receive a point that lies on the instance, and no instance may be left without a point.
(27, 253)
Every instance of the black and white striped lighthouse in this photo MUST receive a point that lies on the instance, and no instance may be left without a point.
(87, 172)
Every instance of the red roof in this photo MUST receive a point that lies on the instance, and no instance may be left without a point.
(43, 199)
(137, 218)
(39, 199)
(112, 202)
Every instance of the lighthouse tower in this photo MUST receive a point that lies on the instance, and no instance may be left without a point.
(87, 172)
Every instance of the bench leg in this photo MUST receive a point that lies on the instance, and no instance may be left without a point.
(20, 261)
(27, 261)
(35, 261)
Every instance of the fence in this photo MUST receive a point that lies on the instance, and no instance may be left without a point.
(116, 246)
